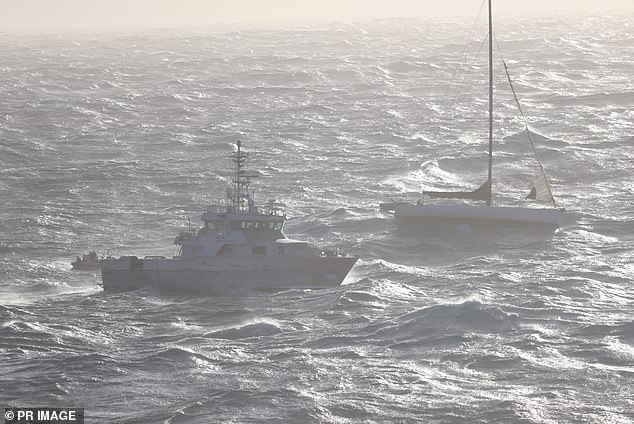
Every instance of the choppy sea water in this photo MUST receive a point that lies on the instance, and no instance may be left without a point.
(110, 141)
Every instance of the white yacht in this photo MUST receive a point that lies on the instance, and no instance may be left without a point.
(239, 247)
(524, 213)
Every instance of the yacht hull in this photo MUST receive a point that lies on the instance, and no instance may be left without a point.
(130, 273)
(466, 213)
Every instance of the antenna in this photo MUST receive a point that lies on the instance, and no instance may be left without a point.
(241, 180)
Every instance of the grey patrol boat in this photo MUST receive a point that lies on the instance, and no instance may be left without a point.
(239, 247)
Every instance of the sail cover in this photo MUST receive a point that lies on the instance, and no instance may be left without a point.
(541, 189)
(482, 193)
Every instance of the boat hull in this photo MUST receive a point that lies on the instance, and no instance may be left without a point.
(130, 273)
(467, 213)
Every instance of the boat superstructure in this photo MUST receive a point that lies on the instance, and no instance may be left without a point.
(239, 246)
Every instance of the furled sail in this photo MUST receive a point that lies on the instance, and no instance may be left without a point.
(482, 193)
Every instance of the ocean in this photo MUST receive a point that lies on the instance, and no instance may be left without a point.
(110, 141)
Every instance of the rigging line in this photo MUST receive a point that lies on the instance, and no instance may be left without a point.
(464, 48)
(528, 131)
(455, 97)
(508, 77)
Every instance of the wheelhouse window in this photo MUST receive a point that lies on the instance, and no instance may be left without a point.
(210, 225)
(270, 225)
(224, 250)
(259, 250)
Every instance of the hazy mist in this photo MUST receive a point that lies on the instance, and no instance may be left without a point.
(82, 14)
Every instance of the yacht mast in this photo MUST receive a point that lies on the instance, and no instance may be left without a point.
(490, 181)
